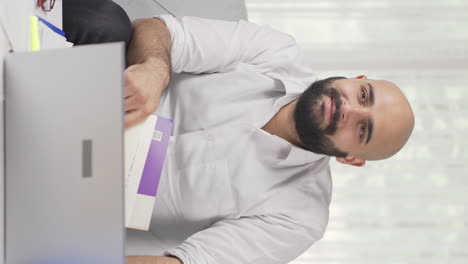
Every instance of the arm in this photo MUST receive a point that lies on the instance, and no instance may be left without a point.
(149, 73)
(253, 239)
(152, 260)
(201, 45)
(197, 45)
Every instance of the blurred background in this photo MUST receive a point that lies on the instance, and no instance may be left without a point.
(412, 208)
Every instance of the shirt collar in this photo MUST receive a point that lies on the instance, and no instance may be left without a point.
(283, 152)
(299, 156)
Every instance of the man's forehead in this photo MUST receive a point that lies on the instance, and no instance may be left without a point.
(351, 81)
(392, 118)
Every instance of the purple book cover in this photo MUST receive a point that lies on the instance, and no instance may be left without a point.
(156, 155)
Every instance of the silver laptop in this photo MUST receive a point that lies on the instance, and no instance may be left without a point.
(64, 156)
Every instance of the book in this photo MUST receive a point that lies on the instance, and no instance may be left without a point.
(145, 150)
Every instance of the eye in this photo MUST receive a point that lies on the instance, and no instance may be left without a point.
(362, 130)
(363, 96)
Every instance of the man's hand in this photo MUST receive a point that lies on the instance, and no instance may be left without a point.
(149, 73)
(152, 260)
(144, 85)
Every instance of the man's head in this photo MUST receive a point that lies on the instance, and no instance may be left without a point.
(354, 119)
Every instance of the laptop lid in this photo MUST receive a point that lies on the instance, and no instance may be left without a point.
(64, 156)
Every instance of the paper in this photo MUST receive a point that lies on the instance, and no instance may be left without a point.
(51, 37)
(46, 36)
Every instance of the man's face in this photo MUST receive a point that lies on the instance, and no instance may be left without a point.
(367, 119)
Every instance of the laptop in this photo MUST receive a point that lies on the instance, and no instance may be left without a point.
(64, 156)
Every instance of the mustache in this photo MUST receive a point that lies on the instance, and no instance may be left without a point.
(336, 97)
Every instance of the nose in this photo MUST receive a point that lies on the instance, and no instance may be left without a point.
(351, 111)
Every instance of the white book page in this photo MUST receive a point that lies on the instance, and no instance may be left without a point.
(137, 143)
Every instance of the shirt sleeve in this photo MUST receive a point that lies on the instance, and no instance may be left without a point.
(205, 46)
(253, 239)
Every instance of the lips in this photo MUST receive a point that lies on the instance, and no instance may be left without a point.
(332, 109)
(329, 110)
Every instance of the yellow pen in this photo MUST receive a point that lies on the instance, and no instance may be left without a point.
(34, 29)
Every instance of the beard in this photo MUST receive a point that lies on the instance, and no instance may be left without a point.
(309, 117)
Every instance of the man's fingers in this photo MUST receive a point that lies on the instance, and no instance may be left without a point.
(142, 93)
(128, 84)
(128, 92)
(130, 103)
(133, 117)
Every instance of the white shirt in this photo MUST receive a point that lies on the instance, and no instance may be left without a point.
(231, 192)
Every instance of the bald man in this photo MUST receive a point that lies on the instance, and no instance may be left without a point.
(353, 119)
(250, 175)
(246, 178)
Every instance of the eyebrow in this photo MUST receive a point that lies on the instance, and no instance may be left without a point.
(370, 129)
(371, 94)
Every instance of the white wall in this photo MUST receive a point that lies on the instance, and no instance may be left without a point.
(372, 34)
(411, 208)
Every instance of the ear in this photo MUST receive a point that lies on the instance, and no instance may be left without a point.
(363, 77)
(351, 160)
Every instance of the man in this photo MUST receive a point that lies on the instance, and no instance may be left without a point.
(246, 177)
